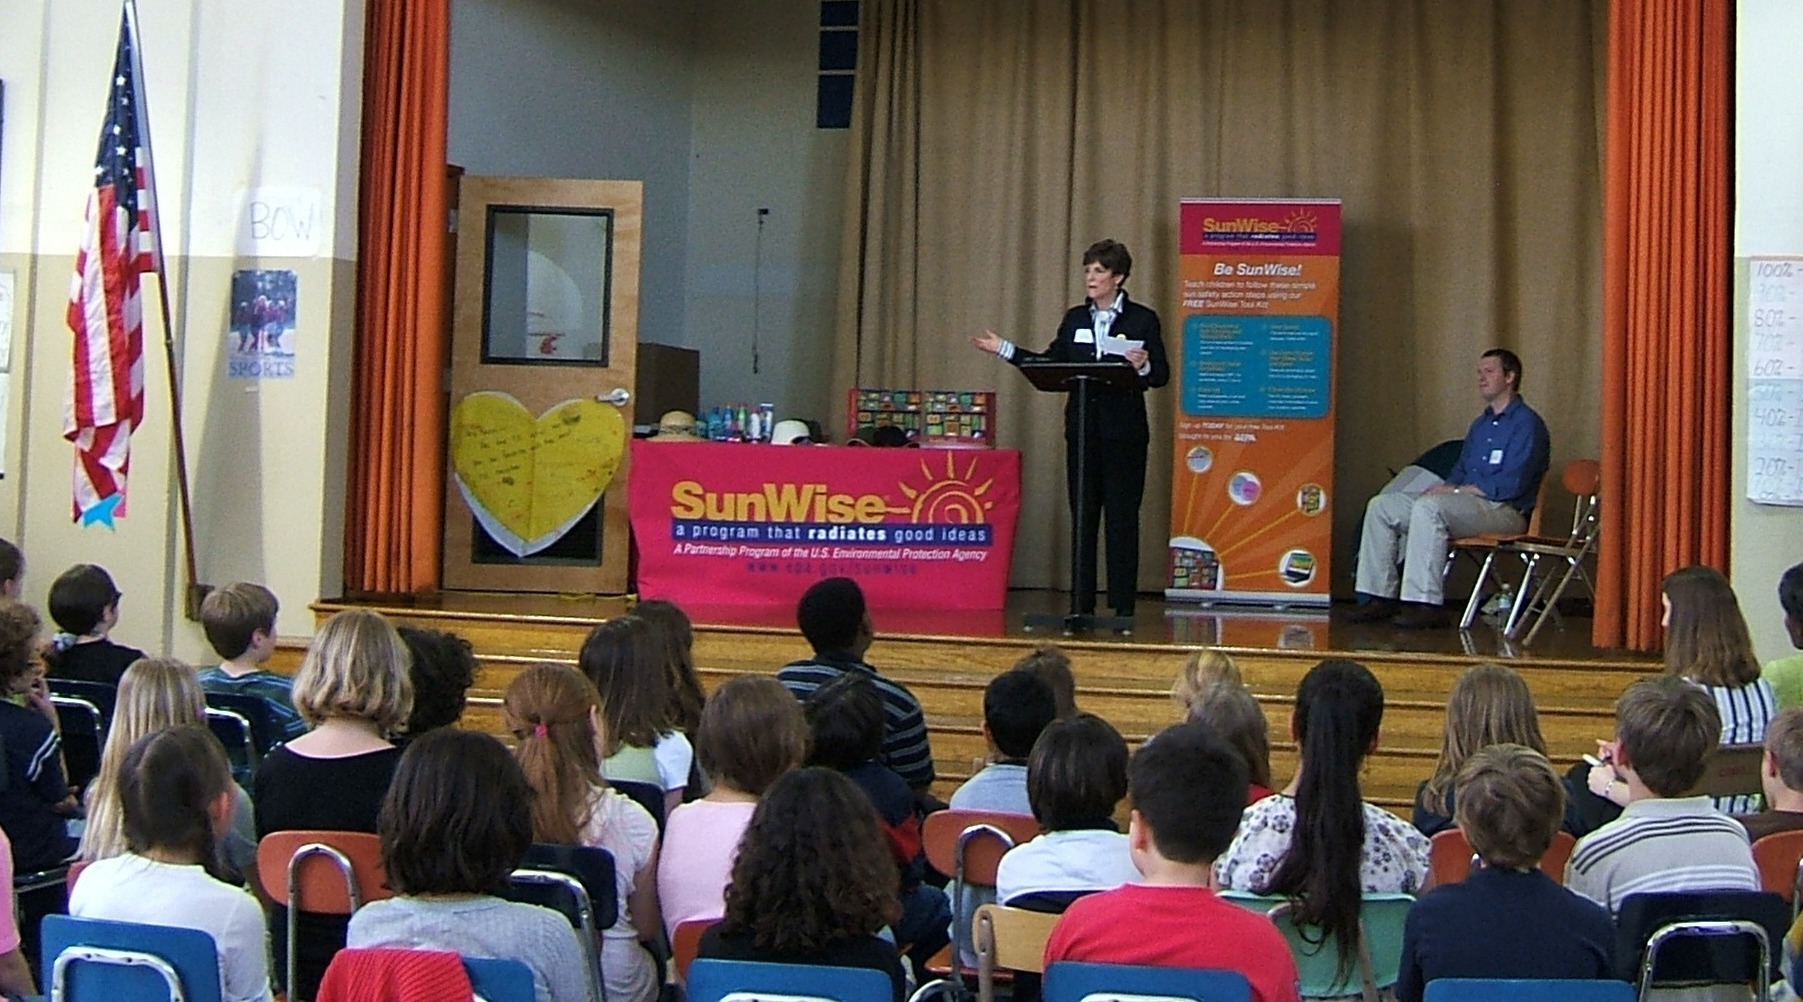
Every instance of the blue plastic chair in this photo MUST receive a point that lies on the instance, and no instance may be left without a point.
(740, 980)
(89, 960)
(1069, 981)
(1523, 990)
(498, 980)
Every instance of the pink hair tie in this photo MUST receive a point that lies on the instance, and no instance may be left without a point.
(541, 730)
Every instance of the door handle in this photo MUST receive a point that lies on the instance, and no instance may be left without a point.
(619, 396)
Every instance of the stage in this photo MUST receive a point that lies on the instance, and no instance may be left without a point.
(947, 658)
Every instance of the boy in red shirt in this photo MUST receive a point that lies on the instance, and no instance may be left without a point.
(1187, 788)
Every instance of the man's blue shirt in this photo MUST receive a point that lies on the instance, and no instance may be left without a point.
(1505, 455)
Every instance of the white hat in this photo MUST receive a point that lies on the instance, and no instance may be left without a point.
(791, 432)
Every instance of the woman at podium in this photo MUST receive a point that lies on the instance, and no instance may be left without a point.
(1106, 326)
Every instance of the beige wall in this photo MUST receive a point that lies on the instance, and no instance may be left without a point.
(243, 98)
(1768, 138)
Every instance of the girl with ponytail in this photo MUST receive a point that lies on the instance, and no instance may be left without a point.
(1318, 842)
(554, 712)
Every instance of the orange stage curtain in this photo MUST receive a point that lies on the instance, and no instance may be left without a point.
(1667, 343)
(395, 502)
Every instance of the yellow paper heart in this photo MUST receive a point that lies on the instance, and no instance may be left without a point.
(529, 480)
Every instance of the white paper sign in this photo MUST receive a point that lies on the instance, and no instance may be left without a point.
(280, 221)
(1775, 381)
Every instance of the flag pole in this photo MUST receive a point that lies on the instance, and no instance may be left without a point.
(195, 591)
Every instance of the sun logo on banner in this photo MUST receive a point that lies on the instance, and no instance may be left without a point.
(1301, 221)
(949, 498)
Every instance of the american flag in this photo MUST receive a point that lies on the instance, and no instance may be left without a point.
(106, 311)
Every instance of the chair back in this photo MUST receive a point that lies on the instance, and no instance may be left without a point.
(102, 695)
(498, 980)
(592, 865)
(1010, 939)
(265, 730)
(1067, 981)
(84, 734)
(1527, 990)
(1712, 939)
(1730, 771)
(89, 960)
(1779, 857)
(329, 872)
(1318, 955)
(233, 731)
(1450, 857)
(685, 942)
(745, 981)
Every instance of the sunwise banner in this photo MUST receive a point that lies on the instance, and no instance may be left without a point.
(757, 524)
(1252, 476)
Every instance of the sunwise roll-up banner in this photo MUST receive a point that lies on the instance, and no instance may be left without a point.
(1252, 482)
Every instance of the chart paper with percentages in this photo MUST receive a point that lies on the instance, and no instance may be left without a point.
(1775, 382)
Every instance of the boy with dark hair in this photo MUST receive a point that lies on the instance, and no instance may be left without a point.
(1665, 728)
(836, 622)
(1188, 788)
(846, 719)
(1508, 919)
(1016, 707)
(85, 605)
(1786, 673)
(239, 620)
(1781, 776)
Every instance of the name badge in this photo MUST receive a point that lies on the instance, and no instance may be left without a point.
(1495, 457)
(1084, 336)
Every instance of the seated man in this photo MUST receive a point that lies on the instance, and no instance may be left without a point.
(1781, 774)
(1492, 488)
(1665, 728)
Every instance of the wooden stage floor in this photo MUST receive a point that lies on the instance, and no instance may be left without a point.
(947, 657)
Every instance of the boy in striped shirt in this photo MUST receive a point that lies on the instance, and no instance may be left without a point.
(1664, 841)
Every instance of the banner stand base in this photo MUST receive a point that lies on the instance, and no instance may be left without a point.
(1076, 622)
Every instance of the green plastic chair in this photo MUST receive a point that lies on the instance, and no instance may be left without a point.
(1317, 955)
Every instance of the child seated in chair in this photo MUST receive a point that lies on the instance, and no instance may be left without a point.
(176, 798)
(1188, 788)
(1508, 919)
(1665, 727)
(239, 620)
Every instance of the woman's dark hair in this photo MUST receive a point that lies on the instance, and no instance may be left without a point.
(813, 867)
(444, 668)
(1339, 708)
(1077, 773)
(167, 786)
(625, 660)
(845, 718)
(678, 636)
(458, 815)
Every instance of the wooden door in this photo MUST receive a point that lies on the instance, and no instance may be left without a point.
(543, 349)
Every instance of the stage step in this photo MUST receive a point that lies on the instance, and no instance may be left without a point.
(1125, 680)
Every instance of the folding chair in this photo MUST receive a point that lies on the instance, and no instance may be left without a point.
(1526, 990)
(1700, 937)
(968, 846)
(1451, 859)
(325, 872)
(1779, 857)
(745, 980)
(1318, 955)
(685, 942)
(1067, 981)
(83, 729)
(1537, 601)
(1010, 939)
(89, 960)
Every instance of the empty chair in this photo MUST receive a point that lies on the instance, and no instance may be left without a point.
(1068, 981)
(1523, 990)
(717, 980)
(88, 960)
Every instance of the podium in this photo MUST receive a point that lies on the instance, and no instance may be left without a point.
(1081, 379)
